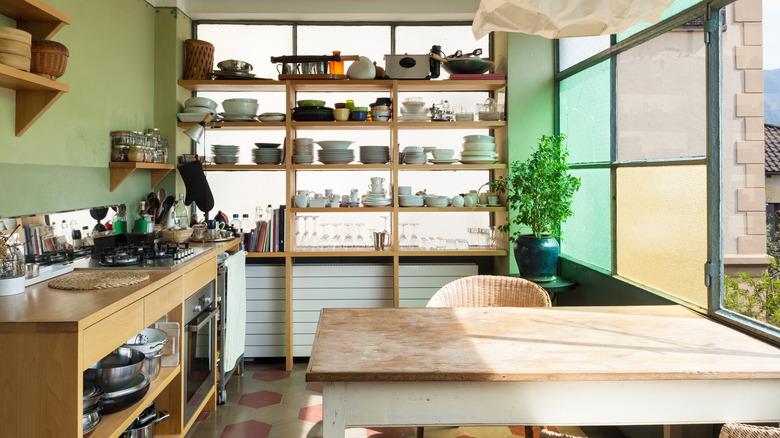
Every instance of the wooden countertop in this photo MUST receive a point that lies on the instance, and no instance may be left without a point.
(534, 344)
(72, 311)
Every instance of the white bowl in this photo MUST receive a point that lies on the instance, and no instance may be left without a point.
(303, 140)
(334, 144)
(413, 149)
(201, 102)
(197, 110)
(239, 99)
(240, 107)
(443, 154)
(479, 138)
(479, 146)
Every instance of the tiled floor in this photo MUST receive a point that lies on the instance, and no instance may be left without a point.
(270, 402)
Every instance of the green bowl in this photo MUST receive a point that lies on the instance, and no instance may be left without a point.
(316, 103)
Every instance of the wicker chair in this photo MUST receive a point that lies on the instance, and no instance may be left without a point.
(490, 291)
(737, 430)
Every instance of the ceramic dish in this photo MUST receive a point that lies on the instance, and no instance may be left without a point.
(271, 117)
(190, 117)
(334, 144)
(479, 138)
(268, 145)
(311, 103)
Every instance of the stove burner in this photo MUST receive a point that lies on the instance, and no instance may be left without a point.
(134, 255)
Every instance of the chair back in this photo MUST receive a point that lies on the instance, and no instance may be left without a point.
(738, 430)
(490, 291)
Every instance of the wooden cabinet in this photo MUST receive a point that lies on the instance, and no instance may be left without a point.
(395, 255)
(34, 94)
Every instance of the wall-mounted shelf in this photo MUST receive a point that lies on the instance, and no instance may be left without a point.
(34, 94)
(121, 170)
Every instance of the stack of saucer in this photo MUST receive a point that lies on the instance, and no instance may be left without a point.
(225, 154)
(303, 152)
(479, 149)
(414, 110)
(267, 153)
(374, 154)
(376, 198)
(415, 155)
(335, 156)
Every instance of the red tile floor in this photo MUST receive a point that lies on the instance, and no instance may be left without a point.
(269, 402)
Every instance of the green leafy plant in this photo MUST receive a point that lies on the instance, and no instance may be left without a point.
(540, 189)
(757, 298)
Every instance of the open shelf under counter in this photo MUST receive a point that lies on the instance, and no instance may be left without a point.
(114, 424)
(471, 252)
(351, 166)
(451, 209)
(360, 209)
(450, 85)
(341, 252)
(350, 85)
(454, 166)
(268, 255)
(453, 125)
(239, 126)
(350, 126)
(232, 85)
(240, 167)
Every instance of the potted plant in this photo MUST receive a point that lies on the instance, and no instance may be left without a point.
(539, 196)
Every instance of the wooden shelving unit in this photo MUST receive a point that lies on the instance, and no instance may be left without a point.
(394, 254)
(121, 170)
(34, 94)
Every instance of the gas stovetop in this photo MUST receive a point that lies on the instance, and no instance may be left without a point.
(157, 256)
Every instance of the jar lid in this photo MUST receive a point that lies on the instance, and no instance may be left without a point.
(121, 146)
(121, 132)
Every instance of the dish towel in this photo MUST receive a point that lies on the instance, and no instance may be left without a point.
(235, 309)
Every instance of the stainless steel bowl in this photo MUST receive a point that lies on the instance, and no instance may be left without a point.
(116, 370)
(91, 396)
(466, 66)
(234, 65)
(90, 420)
(152, 364)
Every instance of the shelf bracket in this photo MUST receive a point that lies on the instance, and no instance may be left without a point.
(119, 174)
(41, 30)
(158, 175)
(30, 106)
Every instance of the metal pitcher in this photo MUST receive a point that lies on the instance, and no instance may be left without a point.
(381, 240)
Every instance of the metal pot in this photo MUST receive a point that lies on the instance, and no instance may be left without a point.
(149, 341)
(116, 370)
(90, 419)
(473, 65)
(152, 364)
(118, 400)
(145, 428)
(92, 395)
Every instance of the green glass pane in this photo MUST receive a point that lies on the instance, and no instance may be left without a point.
(587, 236)
(585, 114)
(677, 6)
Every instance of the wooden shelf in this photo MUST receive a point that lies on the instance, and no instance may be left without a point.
(239, 126)
(454, 166)
(452, 125)
(451, 85)
(370, 252)
(351, 166)
(243, 167)
(360, 209)
(121, 170)
(377, 85)
(351, 126)
(328, 85)
(263, 255)
(34, 94)
(232, 85)
(450, 209)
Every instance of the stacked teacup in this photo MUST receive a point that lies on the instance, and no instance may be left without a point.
(479, 149)
(376, 196)
(303, 150)
(414, 155)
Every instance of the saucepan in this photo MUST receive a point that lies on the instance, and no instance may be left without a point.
(143, 426)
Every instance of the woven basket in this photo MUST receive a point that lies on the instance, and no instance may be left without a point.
(177, 236)
(49, 58)
(198, 59)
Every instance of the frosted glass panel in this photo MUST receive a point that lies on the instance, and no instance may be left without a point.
(661, 98)
(240, 41)
(587, 236)
(370, 41)
(662, 229)
(574, 50)
(585, 114)
(417, 40)
(678, 6)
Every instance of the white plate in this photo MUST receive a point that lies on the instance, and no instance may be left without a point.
(443, 161)
(190, 117)
(490, 161)
(271, 118)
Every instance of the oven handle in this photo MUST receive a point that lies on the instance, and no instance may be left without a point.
(195, 328)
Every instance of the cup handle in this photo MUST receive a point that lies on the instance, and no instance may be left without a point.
(388, 239)
(277, 68)
(221, 225)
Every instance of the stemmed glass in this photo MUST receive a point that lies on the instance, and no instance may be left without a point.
(402, 242)
(305, 239)
(360, 240)
(325, 239)
(314, 240)
(336, 242)
(348, 241)
(300, 222)
(414, 241)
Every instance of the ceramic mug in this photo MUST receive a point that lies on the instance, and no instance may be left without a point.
(404, 190)
(376, 188)
(341, 114)
(381, 240)
(457, 201)
(377, 180)
(301, 201)
(492, 200)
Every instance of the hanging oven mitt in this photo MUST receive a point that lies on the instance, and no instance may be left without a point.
(197, 186)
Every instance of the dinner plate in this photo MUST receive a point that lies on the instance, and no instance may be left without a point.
(444, 161)
(490, 161)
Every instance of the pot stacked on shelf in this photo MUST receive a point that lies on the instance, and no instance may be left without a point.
(312, 111)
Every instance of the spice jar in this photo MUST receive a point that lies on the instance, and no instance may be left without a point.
(136, 153)
(122, 138)
(119, 153)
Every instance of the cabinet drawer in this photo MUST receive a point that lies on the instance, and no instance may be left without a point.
(106, 335)
(200, 276)
(161, 301)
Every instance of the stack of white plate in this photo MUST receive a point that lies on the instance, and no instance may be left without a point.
(411, 200)
(225, 154)
(334, 145)
(374, 154)
(196, 108)
(335, 156)
(479, 149)
(266, 154)
(376, 199)
(303, 151)
(414, 110)
(415, 155)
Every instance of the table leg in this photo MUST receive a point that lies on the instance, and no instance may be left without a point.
(334, 409)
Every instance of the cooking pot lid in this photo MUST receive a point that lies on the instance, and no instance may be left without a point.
(91, 390)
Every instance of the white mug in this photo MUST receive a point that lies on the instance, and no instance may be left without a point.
(404, 190)
(301, 201)
(377, 180)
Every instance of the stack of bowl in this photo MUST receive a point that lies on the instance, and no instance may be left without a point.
(335, 152)
(15, 48)
(239, 109)
(312, 111)
(225, 154)
(196, 108)
(436, 201)
(414, 110)
(380, 110)
(443, 156)
(303, 151)
(415, 155)
(374, 154)
(267, 153)
(411, 200)
(121, 378)
(479, 149)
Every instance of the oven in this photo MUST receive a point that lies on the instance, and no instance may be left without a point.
(198, 348)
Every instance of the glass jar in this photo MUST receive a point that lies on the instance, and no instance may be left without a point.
(136, 153)
(124, 138)
(119, 153)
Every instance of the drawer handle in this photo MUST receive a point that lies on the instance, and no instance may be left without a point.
(195, 328)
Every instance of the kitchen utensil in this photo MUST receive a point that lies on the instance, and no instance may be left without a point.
(381, 240)
(90, 419)
(409, 67)
(234, 65)
(149, 341)
(152, 364)
(145, 429)
(91, 396)
(116, 370)
(474, 65)
(202, 102)
(49, 58)
(166, 205)
(126, 396)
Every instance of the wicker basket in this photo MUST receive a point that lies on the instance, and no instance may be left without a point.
(49, 58)
(177, 236)
(198, 59)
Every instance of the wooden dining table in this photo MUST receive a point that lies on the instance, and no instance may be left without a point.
(562, 366)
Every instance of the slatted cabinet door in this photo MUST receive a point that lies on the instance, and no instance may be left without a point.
(265, 311)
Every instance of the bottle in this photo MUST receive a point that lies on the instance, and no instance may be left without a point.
(258, 215)
(236, 223)
(336, 67)
(120, 220)
(246, 225)
(76, 236)
(140, 225)
(182, 217)
(66, 231)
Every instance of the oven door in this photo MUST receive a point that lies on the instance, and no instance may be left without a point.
(199, 362)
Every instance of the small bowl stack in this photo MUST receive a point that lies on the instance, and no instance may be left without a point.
(267, 153)
(414, 110)
(303, 151)
(411, 200)
(436, 201)
(335, 152)
(415, 155)
(374, 154)
(196, 108)
(239, 109)
(479, 149)
(225, 154)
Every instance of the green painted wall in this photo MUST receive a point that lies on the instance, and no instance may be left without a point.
(530, 74)
(61, 162)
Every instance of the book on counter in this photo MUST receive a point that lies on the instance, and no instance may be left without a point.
(268, 235)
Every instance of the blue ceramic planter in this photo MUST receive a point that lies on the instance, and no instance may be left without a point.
(536, 258)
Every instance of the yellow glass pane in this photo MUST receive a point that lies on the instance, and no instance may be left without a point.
(662, 229)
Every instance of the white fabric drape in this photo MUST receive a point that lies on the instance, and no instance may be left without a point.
(236, 309)
(565, 18)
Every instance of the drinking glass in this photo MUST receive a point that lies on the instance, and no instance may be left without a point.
(403, 241)
(299, 224)
(336, 242)
(360, 240)
(414, 241)
(349, 242)
(306, 238)
(314, 240)
(325, 239)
